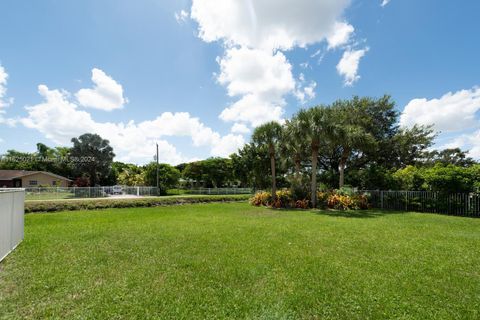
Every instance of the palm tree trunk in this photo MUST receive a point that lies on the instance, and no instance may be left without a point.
(297, 167)
(314, 177)
(274, 179)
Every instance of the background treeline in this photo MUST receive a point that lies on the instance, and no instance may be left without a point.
(89, 162)
(356, 142)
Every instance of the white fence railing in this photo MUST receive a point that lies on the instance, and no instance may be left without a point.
(11, 219)
(59, 193)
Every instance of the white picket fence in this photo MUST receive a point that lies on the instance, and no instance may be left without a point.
(11, 219)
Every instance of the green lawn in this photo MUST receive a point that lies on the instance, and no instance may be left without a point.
(236, 261)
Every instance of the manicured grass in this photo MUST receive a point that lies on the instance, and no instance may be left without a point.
(236, 261)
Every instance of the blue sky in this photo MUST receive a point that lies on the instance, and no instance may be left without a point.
(154, 59)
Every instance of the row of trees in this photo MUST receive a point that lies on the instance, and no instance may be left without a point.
(89, 162)
(356, 140)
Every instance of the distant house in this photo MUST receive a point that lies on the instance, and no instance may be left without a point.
(26, 179)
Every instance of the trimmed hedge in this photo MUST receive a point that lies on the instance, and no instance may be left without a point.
(94, 204)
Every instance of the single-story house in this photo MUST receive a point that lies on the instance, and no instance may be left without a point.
(26, 179)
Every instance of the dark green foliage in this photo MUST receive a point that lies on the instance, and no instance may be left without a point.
(209, 173)
(445, 157)
(269, 136)
(167, 176)
(93, 156)
(449, 178)
(252, 166)
(354, 142)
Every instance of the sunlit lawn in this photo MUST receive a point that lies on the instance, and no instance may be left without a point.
(236, 261)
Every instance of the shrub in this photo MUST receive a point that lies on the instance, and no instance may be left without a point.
(339, 202)
(299, 188)
(302, 204)
(322, 199)
(283, 200)
(344, 199)
(345, 191)
(337, 199)
(361, 202)
(261, 198)
(347, 202)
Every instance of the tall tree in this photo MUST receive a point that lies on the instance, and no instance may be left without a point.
(348, 134)
(293, 147)
(93, 156)
(269, 135)
(316, 128)
(454, 156)
(168, 176)
(250, 166)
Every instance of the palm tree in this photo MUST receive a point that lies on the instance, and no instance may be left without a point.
(269, 135)
(348, 134)
(315, 125)
(293, 145)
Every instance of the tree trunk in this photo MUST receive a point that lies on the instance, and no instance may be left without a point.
(314, 177)
(274, 179)
(297, 167)
(341, 168)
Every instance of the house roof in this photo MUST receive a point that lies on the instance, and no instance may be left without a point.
(14, 174)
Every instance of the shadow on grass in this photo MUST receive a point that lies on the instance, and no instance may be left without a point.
(358, 214)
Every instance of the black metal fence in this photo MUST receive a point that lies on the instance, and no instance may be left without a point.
(459, 204)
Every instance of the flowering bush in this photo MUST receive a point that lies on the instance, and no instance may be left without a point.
(322, 199)
(326, 200)
(340, 201)
(302, 204)
(283, 200)
(261, 198)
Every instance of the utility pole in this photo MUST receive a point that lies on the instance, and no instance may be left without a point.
(157, 170)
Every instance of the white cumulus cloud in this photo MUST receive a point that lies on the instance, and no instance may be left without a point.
(260, 79)
(305, 91)
(452, 112)
(4, 101)
(456, 114)
(60, 119)
(240, 128)
(106, 94)
(181, 16)
(349, 64)
(255, 33)
(384, 3)
(340, 35)
(3, 86)
(267, 24)
(227, 145)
